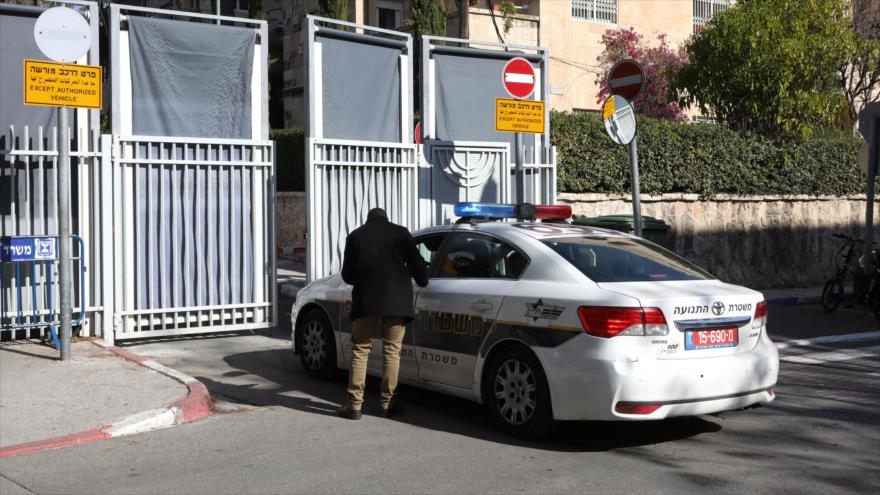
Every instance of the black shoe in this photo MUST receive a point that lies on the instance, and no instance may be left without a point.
(393, 409)
(348, 412)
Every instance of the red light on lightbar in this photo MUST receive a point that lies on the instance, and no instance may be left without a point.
(627, 408)
(552, 211)
(770, 391)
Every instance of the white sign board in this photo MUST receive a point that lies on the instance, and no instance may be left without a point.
(62, 34)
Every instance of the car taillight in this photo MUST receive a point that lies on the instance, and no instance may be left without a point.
(760, 318)
(607, 322)
(655, 322)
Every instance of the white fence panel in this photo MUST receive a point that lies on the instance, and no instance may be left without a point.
(28, 179)
(348, 179)
(194, 243)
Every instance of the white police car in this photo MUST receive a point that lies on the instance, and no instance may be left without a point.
(545, 321)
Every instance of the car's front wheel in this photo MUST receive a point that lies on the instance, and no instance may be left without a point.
(517, 394)
(317, 346)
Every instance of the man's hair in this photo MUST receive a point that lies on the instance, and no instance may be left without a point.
(376, 214)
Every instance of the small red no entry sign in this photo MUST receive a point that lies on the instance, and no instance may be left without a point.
(626, 79)
(518, 78)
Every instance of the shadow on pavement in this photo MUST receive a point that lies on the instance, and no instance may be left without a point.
(432, 410)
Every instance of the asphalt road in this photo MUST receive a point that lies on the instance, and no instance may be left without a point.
(279, 434)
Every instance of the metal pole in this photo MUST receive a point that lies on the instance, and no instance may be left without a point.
(217, 7)
(64, 272)
(873, 153)
(520, 176)
(634, 179)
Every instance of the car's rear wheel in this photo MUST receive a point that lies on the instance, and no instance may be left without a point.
(317, 345)
(517, 394)
(832, 294)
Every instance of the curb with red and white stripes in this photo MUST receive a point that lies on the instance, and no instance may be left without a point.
(196, 404)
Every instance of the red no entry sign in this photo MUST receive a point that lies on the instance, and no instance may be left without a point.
(518, 78)
(626, 79)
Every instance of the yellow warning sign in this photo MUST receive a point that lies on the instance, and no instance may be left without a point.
(519, 116)
(62, 85)
(608, 111)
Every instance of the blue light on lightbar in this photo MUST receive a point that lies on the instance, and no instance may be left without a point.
(485, 210)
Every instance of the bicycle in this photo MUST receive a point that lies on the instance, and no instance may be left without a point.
(865, 287)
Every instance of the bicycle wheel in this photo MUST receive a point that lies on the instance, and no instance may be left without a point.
(832, 294)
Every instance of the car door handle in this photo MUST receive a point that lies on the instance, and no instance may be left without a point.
(482, 306)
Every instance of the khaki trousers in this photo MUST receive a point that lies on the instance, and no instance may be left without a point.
(362, 331)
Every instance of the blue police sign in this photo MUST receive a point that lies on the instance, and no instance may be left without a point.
(28, 248)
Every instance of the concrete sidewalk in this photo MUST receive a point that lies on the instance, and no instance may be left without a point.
(103, 392)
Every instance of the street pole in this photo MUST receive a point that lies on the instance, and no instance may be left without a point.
(873, 152)
(520, 176)
(634, 180)
(63, 176)
(217, 6)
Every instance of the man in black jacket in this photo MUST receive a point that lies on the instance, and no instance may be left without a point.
(380, 257)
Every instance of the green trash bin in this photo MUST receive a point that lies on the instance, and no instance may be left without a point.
(653, 229)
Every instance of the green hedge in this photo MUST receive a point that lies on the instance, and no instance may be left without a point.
(290, 158)
(701, 158)
(673, 158)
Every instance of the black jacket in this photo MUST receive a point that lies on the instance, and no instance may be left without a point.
(379, 259)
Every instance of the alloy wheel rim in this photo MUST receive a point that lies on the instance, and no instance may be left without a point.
(314, 345)
(516, 392)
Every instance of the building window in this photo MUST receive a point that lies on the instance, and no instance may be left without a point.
(388, 15)
(704, 10)
(595, 10)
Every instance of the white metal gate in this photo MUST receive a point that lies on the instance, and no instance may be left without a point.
(194, 235)
(194, 243)
(346, 177)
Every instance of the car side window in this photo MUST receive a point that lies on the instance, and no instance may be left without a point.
(480, 256)
(428, 246)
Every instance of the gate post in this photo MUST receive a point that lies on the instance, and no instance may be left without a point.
(105, 169)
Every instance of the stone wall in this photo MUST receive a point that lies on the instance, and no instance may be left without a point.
(758, 241)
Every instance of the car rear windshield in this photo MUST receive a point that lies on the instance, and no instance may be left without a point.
(622, 259)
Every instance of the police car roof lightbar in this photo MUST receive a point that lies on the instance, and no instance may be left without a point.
(484, 210)
(499, 211)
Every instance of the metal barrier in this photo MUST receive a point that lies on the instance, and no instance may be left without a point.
(28, 266)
